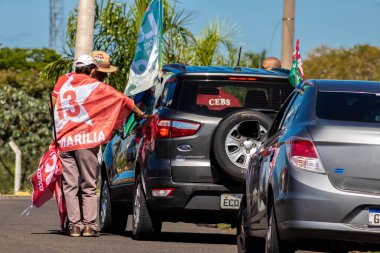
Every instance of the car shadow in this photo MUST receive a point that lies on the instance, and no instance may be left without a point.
(184, 237)
(49, 232)
(181, 237)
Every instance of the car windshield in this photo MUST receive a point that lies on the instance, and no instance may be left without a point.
(349, 106)
(218, 98)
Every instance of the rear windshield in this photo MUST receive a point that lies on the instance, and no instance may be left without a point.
(349, 106)
(218, 98)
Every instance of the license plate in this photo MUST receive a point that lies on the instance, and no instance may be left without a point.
(374, 217)
(230, 201)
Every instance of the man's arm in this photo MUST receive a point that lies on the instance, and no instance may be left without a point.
(130, 104)
(140, 114)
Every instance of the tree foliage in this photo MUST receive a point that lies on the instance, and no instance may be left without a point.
(26, 59)
(20, 68)
(361, 62)
(25, 120)
(24, 113)
(116, 29)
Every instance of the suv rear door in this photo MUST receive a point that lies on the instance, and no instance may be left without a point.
(207, 102)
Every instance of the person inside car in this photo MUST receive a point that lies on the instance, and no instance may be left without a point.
(270, 63)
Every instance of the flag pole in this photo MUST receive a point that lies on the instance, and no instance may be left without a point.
(52, 117)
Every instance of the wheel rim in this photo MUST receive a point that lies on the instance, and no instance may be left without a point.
(240, 148)
(103, 204)
(136, 207)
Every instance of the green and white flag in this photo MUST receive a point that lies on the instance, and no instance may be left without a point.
(296, 76)
(146, 64)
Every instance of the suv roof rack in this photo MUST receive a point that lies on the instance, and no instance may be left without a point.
(174, 68)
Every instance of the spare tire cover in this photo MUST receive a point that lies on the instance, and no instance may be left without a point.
(233, 150)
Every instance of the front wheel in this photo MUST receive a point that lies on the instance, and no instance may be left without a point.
(245, 243)
(111, 218)
(273, 244)
(143, 224)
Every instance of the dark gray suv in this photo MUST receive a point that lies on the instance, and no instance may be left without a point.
(187, 162)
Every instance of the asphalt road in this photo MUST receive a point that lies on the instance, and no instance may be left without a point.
(39, 232)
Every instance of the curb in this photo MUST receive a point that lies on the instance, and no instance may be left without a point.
(15, 197)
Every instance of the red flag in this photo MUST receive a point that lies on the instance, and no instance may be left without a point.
(44, 179)
(87, 111)
(47, 180)
(60, 201)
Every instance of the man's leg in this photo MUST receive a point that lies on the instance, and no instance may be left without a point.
(70, 184)
(87, 163)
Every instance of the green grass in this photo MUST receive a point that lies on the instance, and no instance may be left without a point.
(224, 226)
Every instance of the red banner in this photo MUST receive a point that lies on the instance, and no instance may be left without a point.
(44, 179)
(87, 111)
(61, 203)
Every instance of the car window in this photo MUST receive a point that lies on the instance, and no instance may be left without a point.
(218, 98)
(277, 120)
(348, 106)
(167, 95)
(292, 112)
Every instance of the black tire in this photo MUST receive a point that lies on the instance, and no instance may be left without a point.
(245, 243)
(273, 244)
(144, 226)
(220, 136)
(111, 218)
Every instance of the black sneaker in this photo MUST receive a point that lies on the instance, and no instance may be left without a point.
(90, 232)
(74, 231)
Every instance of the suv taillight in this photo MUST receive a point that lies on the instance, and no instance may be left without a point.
(176, 128)
(303, 155)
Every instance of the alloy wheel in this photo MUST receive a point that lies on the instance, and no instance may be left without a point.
(137, 207)
(240, 148)
(104, 203)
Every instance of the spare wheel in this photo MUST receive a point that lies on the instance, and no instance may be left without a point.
(237, 138)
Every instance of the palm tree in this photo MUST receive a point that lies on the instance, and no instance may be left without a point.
(115, 31)
(116, 28)
(211, 41)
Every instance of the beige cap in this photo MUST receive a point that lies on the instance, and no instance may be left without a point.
(102, 60)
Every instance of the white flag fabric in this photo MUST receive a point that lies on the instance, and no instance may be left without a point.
(146, 64)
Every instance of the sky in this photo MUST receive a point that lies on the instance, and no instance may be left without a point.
(333, 23)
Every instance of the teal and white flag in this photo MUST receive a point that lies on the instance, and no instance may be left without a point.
(146, 64)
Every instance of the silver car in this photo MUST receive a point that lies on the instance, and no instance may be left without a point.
(315, 181)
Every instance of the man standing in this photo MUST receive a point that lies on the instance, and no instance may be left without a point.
(270, 63)
(79, 166)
